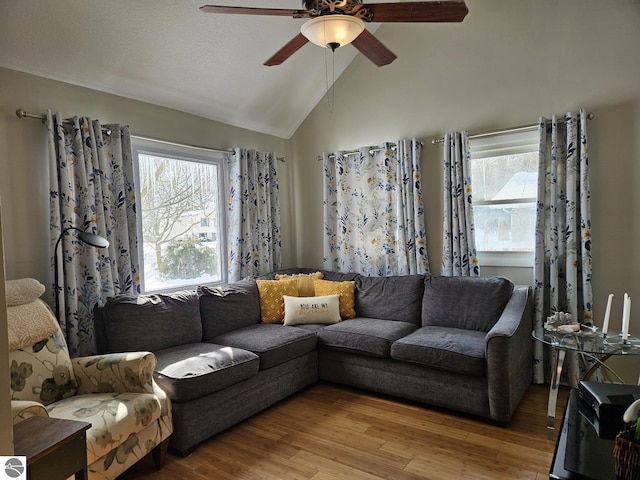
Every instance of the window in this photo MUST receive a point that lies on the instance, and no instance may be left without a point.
(180, 193)
(504, 175)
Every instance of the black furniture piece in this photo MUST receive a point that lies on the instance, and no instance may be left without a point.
(580, 454)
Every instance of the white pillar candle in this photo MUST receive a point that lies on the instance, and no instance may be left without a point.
(625, 317)
(607, 312)
(628, 317)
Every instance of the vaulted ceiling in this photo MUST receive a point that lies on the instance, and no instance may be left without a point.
(169, 53)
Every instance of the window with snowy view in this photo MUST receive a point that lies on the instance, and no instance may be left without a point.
(180, 221)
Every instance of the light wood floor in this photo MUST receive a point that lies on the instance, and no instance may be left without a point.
(329, 432)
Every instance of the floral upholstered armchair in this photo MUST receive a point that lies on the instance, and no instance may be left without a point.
(130, 415)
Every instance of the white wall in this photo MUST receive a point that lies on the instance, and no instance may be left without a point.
(504, 66)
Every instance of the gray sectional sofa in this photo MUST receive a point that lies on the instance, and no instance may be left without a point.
(455, 342)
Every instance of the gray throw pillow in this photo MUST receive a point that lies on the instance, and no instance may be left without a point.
(469, 303)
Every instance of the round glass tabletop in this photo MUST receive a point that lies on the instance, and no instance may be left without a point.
(588, 341)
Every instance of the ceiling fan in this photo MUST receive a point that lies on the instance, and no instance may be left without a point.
(335, 23)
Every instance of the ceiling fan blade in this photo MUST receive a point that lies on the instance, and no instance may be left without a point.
(280, 12)
(446, 11)
(295, 44)
(373, 49)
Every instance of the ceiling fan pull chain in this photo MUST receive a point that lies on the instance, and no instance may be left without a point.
(330, 86)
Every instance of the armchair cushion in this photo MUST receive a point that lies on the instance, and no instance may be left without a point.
(42, 372)
(115, 419)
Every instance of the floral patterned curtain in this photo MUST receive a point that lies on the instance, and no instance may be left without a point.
(563, 267)
(92, 189)
(373, 211)
(459, 256)
(254, 214)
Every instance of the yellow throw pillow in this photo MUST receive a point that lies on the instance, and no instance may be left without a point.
(271, 301)
(346, 290)
(300, 310)
(305, 282)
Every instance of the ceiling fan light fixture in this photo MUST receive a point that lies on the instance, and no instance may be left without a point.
(332, 31)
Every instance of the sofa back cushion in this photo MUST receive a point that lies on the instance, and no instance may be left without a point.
(338, 276)
(228, 307)
(468, 303)
(149, 322)
(390, 298)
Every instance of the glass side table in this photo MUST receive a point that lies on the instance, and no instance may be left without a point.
(591, 345)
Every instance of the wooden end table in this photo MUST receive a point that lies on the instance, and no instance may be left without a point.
(55, 448)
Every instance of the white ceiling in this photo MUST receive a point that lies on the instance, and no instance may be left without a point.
(169, 53)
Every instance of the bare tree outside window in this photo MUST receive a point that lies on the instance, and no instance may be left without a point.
(180, 220)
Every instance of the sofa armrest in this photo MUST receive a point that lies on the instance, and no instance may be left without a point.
(509, 354)
(23, 409)
(130, 372)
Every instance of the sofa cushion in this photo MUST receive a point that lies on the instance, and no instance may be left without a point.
(390, 298)
(228, 307)
(274, 344)
(191, 371)
(345, 289)
(368, 336)
(451, 349)
(322, 309)
(150, 322)
(469, 303)
(271, 298)
(311, 327)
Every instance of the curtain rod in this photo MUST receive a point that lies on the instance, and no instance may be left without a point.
(371, 151)
(20, 113)
(590, 116)
(230, 150)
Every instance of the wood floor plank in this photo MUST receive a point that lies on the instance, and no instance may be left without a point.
(330, 432)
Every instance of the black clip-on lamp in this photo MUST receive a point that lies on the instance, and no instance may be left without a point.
(85, 237)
